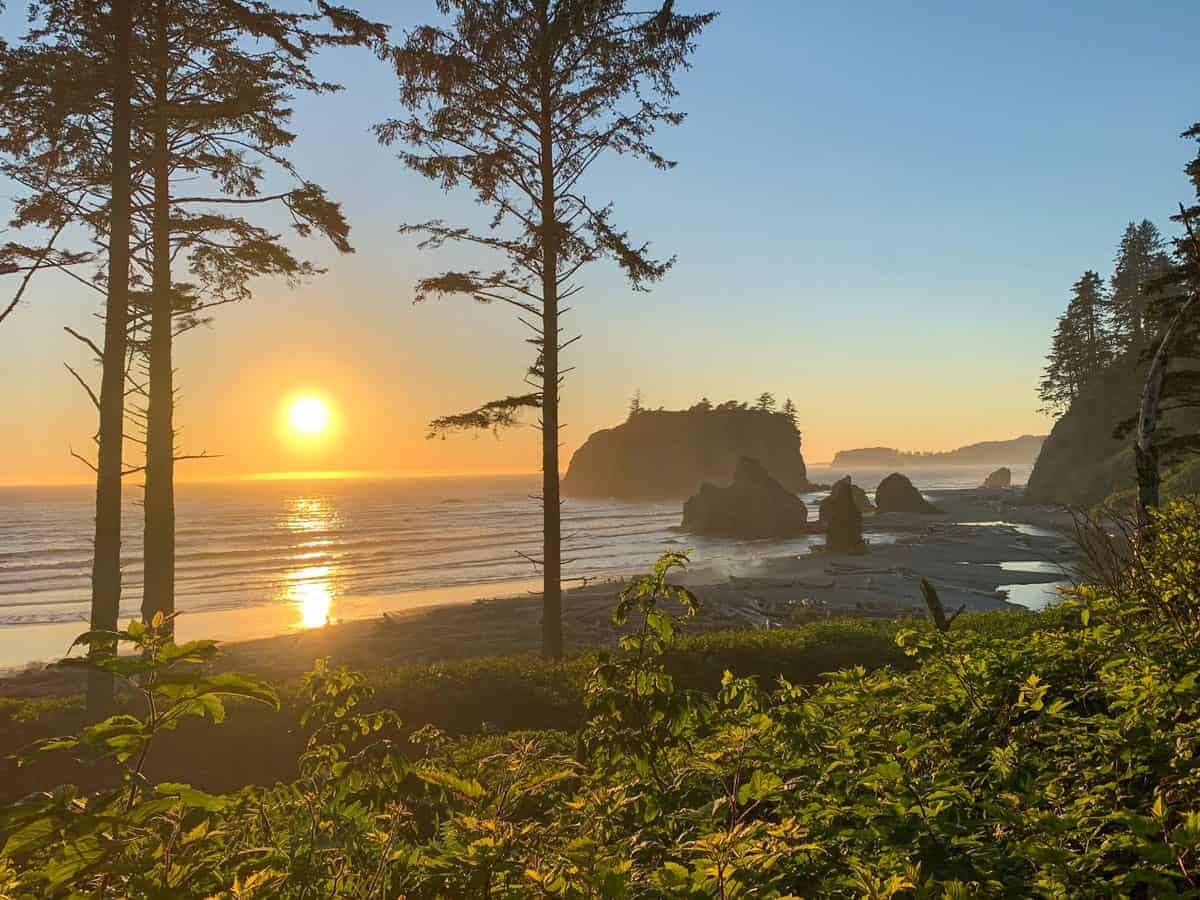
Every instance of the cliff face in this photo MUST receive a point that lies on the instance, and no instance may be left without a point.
(1018, 450)
(1081, 463)
(659, 455)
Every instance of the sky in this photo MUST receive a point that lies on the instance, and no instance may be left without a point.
(878, 211)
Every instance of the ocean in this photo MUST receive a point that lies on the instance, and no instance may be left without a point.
(309, 549)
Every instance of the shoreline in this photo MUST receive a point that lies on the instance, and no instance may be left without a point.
(967, 553)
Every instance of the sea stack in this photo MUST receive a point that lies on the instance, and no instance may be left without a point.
(861, 500)
(1001, 478)
(843, 519)
(668, 454)
(754, 506)
(897, 494)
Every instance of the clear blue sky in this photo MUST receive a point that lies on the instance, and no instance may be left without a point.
(879, 210)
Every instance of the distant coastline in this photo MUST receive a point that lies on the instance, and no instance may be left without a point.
(1022, 450)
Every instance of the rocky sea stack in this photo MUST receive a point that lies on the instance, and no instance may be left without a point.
(754, 506)
(842, 516)
(897, 494)
(861, 500)
(668, 454)
(1001, 478)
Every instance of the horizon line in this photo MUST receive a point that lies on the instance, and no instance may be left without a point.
(313, 475)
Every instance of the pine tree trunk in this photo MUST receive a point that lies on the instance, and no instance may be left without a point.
(159, 538)
(106, 560)
(552, 637)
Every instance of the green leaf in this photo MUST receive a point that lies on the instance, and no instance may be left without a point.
(193, 797)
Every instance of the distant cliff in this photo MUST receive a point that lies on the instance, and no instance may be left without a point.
(986, 453)
(657, 455)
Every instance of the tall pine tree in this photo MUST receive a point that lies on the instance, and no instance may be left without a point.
(66, 132)
(1081, 346)
(1142, 260)
(213, 108)
(516, 100)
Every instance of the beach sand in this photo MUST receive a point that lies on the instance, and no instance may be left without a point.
(968, 563)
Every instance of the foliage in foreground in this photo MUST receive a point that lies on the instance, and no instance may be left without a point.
(1062, 761)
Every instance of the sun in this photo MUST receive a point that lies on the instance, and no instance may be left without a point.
(308, 416)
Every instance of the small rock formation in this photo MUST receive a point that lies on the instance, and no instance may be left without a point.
(861, 500)
(754, 506)
(843, 517)
(897, 494)
(1001, 478)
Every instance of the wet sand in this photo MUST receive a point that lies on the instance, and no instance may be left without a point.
(963, 552)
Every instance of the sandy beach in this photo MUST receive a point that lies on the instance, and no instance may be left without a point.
(969, 564)
(986, 551)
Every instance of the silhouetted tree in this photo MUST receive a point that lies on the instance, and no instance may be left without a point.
(106, 559)
(705, 405)
(216, 82)
(1173, 377)
(1081, 346)
(765, 402)
(66, 139)
(789, 410)
(216, 122)
(1141, 261)
(635, 403)
(516, 99)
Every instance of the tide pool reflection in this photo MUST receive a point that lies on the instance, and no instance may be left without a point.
(311, 592)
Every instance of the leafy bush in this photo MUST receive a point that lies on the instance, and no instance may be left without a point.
(1052, 757)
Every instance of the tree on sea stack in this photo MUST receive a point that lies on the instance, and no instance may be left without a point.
(515, 100)
(789, 410)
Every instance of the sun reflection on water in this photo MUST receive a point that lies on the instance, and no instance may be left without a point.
(310, 587)
(310, 514)
(310, 590)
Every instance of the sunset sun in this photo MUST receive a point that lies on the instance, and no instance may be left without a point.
(308, 416)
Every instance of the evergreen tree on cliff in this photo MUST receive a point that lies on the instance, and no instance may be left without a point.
(1081, 346)
(515, 100)
(1142, 260)
(789, 410)
(1172, 381)
(635, 403)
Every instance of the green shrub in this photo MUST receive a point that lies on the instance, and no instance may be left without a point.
(801, 654)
